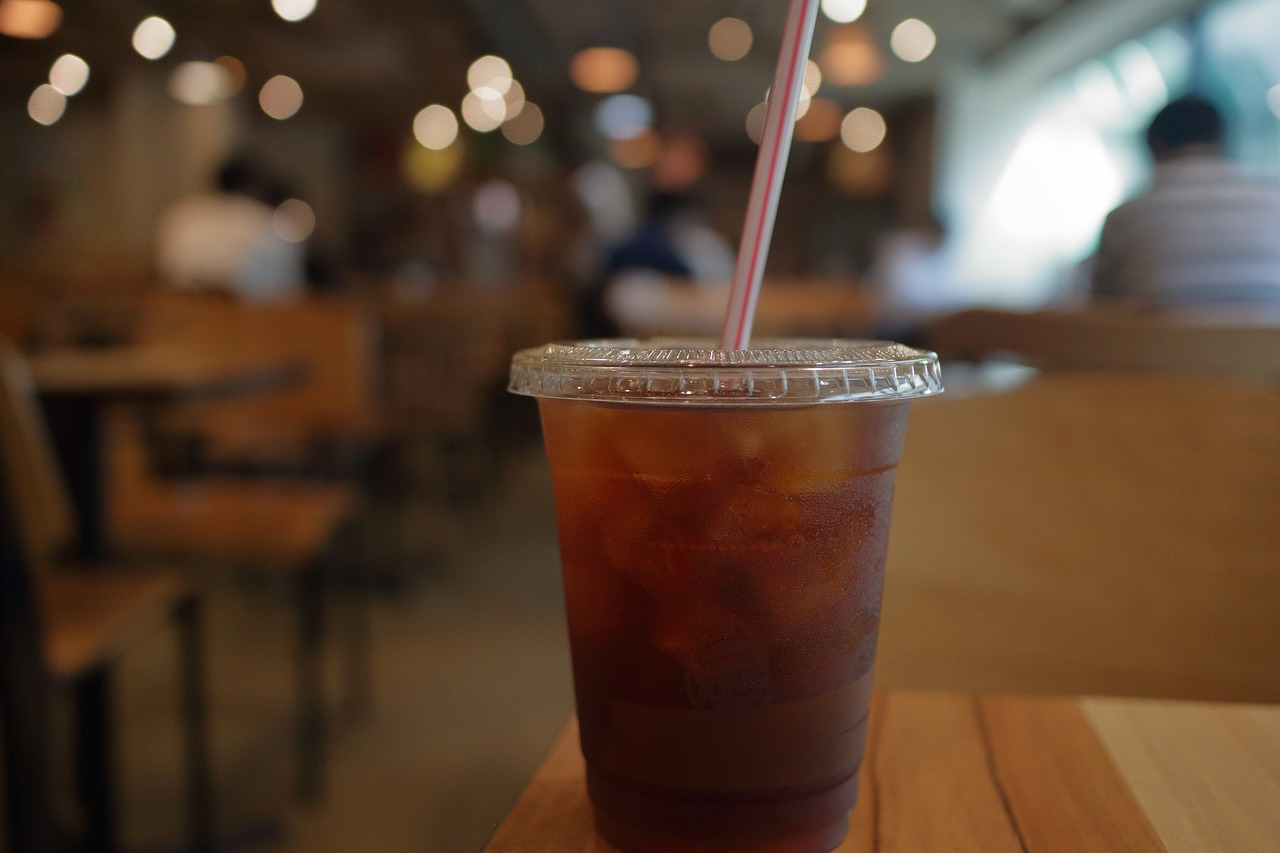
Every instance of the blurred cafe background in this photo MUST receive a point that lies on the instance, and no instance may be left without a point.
(279, 558)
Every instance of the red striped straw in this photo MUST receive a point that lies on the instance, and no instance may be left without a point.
(771, 164)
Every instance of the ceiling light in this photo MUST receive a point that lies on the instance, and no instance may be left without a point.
(912, 40)
(730, 39)
(435, 127)
(491, 72)
(153, 37)
(850, 58)
(496, 207)
(812, 77)
(821, 123)
(200, 84)
(624, 116)
(844, 11)
(69, 74)
(604, 69)
(483, 110)
(526, 127)
(514, 99)
(280, 97)
(293, 10)
(235, 72)
(638, 153)
(755, 121)
(862, 130)
(29, 19)
(46, 104)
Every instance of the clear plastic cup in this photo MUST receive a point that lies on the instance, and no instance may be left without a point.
(723, 518)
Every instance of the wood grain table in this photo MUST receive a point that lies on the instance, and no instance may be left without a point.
(78, 384)
(988, 773)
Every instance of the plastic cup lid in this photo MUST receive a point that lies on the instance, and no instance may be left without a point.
(671, 371)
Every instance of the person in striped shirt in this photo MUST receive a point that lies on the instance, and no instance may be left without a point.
(1203, 232)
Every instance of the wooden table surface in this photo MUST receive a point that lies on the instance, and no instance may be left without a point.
(960, 772)
(161, 369)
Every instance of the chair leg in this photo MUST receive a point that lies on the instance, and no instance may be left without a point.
(200, 817)
(358, 698)
(311, 705)
(25, 700)
(95, 759)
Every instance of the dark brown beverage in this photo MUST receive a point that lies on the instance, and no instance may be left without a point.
(722, 571)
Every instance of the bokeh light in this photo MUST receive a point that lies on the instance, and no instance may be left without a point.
(496, 207)
(29, 19)
(293, 10)
(236, 72)
(483, 109)
(681, 164)
(913, 40)
(491, 72)
(435, 127)
(526, 127)
(641, 152)
(844, 11)
(293, 220)
(604, 69)
(200, 84)
(850, 57)
(862, 130)
(1273, 99)
(280, 97)
(857, 174)
(68, 74)
(623, 116)
(730, 39)
(812, 77)
(514, 99)
(428, 170)
(46, 104)
(755, 121)
(153, 37)
(821, 123)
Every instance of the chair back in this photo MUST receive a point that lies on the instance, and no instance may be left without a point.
(1112, 337)
(334, 340)
(29, 467)
(1090, 533)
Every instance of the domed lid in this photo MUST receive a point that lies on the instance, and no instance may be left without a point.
(776, 372)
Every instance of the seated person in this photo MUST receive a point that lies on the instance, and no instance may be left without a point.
(1203, 232)
(225, 242)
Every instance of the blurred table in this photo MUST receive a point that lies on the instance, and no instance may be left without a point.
(78, 385)
(653, 306)
(962, 772)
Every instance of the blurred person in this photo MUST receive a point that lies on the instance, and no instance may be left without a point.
(913, 275)
(674, 242)
(1204, 231)
(225, 241)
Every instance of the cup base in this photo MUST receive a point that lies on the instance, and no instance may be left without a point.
(660, 825)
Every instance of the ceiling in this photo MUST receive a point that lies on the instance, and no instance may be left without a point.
(376, 62)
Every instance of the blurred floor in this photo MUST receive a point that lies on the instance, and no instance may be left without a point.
(472, 683)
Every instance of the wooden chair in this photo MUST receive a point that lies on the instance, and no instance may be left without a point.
(279, 475)
(1089, 533)
(67, 626)
(443, 360)
(1111, 337)
(279, 527)
(326, 425)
